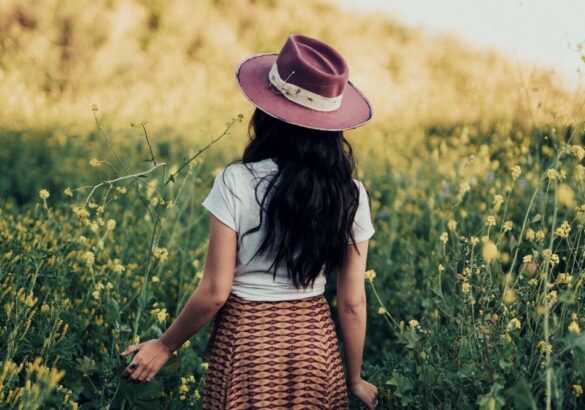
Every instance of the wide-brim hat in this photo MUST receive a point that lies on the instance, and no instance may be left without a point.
(306, 84)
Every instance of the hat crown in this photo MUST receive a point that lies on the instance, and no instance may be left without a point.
(312, 65)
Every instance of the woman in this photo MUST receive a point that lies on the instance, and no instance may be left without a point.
(283, 221)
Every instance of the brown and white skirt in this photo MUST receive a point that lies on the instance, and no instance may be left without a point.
(274, 355)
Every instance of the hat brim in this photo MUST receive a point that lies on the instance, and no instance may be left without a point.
(252, 78)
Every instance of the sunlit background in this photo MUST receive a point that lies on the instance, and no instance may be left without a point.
(545, 32)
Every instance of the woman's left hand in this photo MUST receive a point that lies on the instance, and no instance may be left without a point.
(151, 357)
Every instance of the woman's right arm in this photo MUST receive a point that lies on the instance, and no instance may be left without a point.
(351, 310)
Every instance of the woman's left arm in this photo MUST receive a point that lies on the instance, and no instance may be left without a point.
(204, 302)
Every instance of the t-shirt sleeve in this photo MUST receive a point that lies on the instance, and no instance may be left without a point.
(362, 225)
(221, 201)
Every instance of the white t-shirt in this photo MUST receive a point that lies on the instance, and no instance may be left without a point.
(252, 279)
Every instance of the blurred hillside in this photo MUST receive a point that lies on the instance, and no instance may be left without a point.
(172, 63)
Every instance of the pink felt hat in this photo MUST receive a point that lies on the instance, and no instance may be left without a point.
(306, 84)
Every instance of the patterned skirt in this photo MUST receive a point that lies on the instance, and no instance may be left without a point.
(274, 355)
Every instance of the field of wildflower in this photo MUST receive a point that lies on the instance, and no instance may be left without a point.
(475, 274)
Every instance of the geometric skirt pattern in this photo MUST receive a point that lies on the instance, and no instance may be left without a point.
(274, 355)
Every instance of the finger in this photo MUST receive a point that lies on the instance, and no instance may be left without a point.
(144, 375)
(137, 376)
(132, 348)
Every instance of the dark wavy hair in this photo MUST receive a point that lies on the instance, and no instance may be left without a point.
(309, 203)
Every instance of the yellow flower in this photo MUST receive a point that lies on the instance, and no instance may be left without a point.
(552, 174)
(507, 226)
(498, 201)
(183, 388)
(574, 327)
(516, 171)
(552, 296)
(155, 279)
(544, 346)
(465, 287)
(121, 189)
(162, 314)
(452, 225)
(111, 224)
(577, 390)
(530, 234)
(514, 324)
(563, 230)
(413, 323)
(370, 275)
(118, 268)
(94, 162)
(381, 310)
(89, 258)
(67, 191)
(554, 259)
(566, 195)
(540, 235)
(490, 220)
(578, 151)
(161, 254)
(564, 278)
(474, 240)
(44, 194)
(205, 365)
(509, 296)
(444, 237)
(527, 258)
(490, 251)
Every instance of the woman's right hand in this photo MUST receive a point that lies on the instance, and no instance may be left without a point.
(366, 392)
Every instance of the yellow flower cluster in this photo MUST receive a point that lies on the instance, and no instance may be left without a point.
(564, 279)
(563, 230)
(89, 258)
(516, 171)
(577, 390)
(184, 388)
(465, 287)
(509, 296)
(490, 221)
(370, 275)
(544, 347)
(413, 323)
(39, 381)
(578, 151)
(161, 254)
(514, 323)
(489, 251)
(574, 327)
(552, 296)
(97, 290)
(444, 237)
(44, 194)
(160, 314)
(498, 201)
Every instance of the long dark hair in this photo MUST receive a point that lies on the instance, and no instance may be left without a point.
(310, 202)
